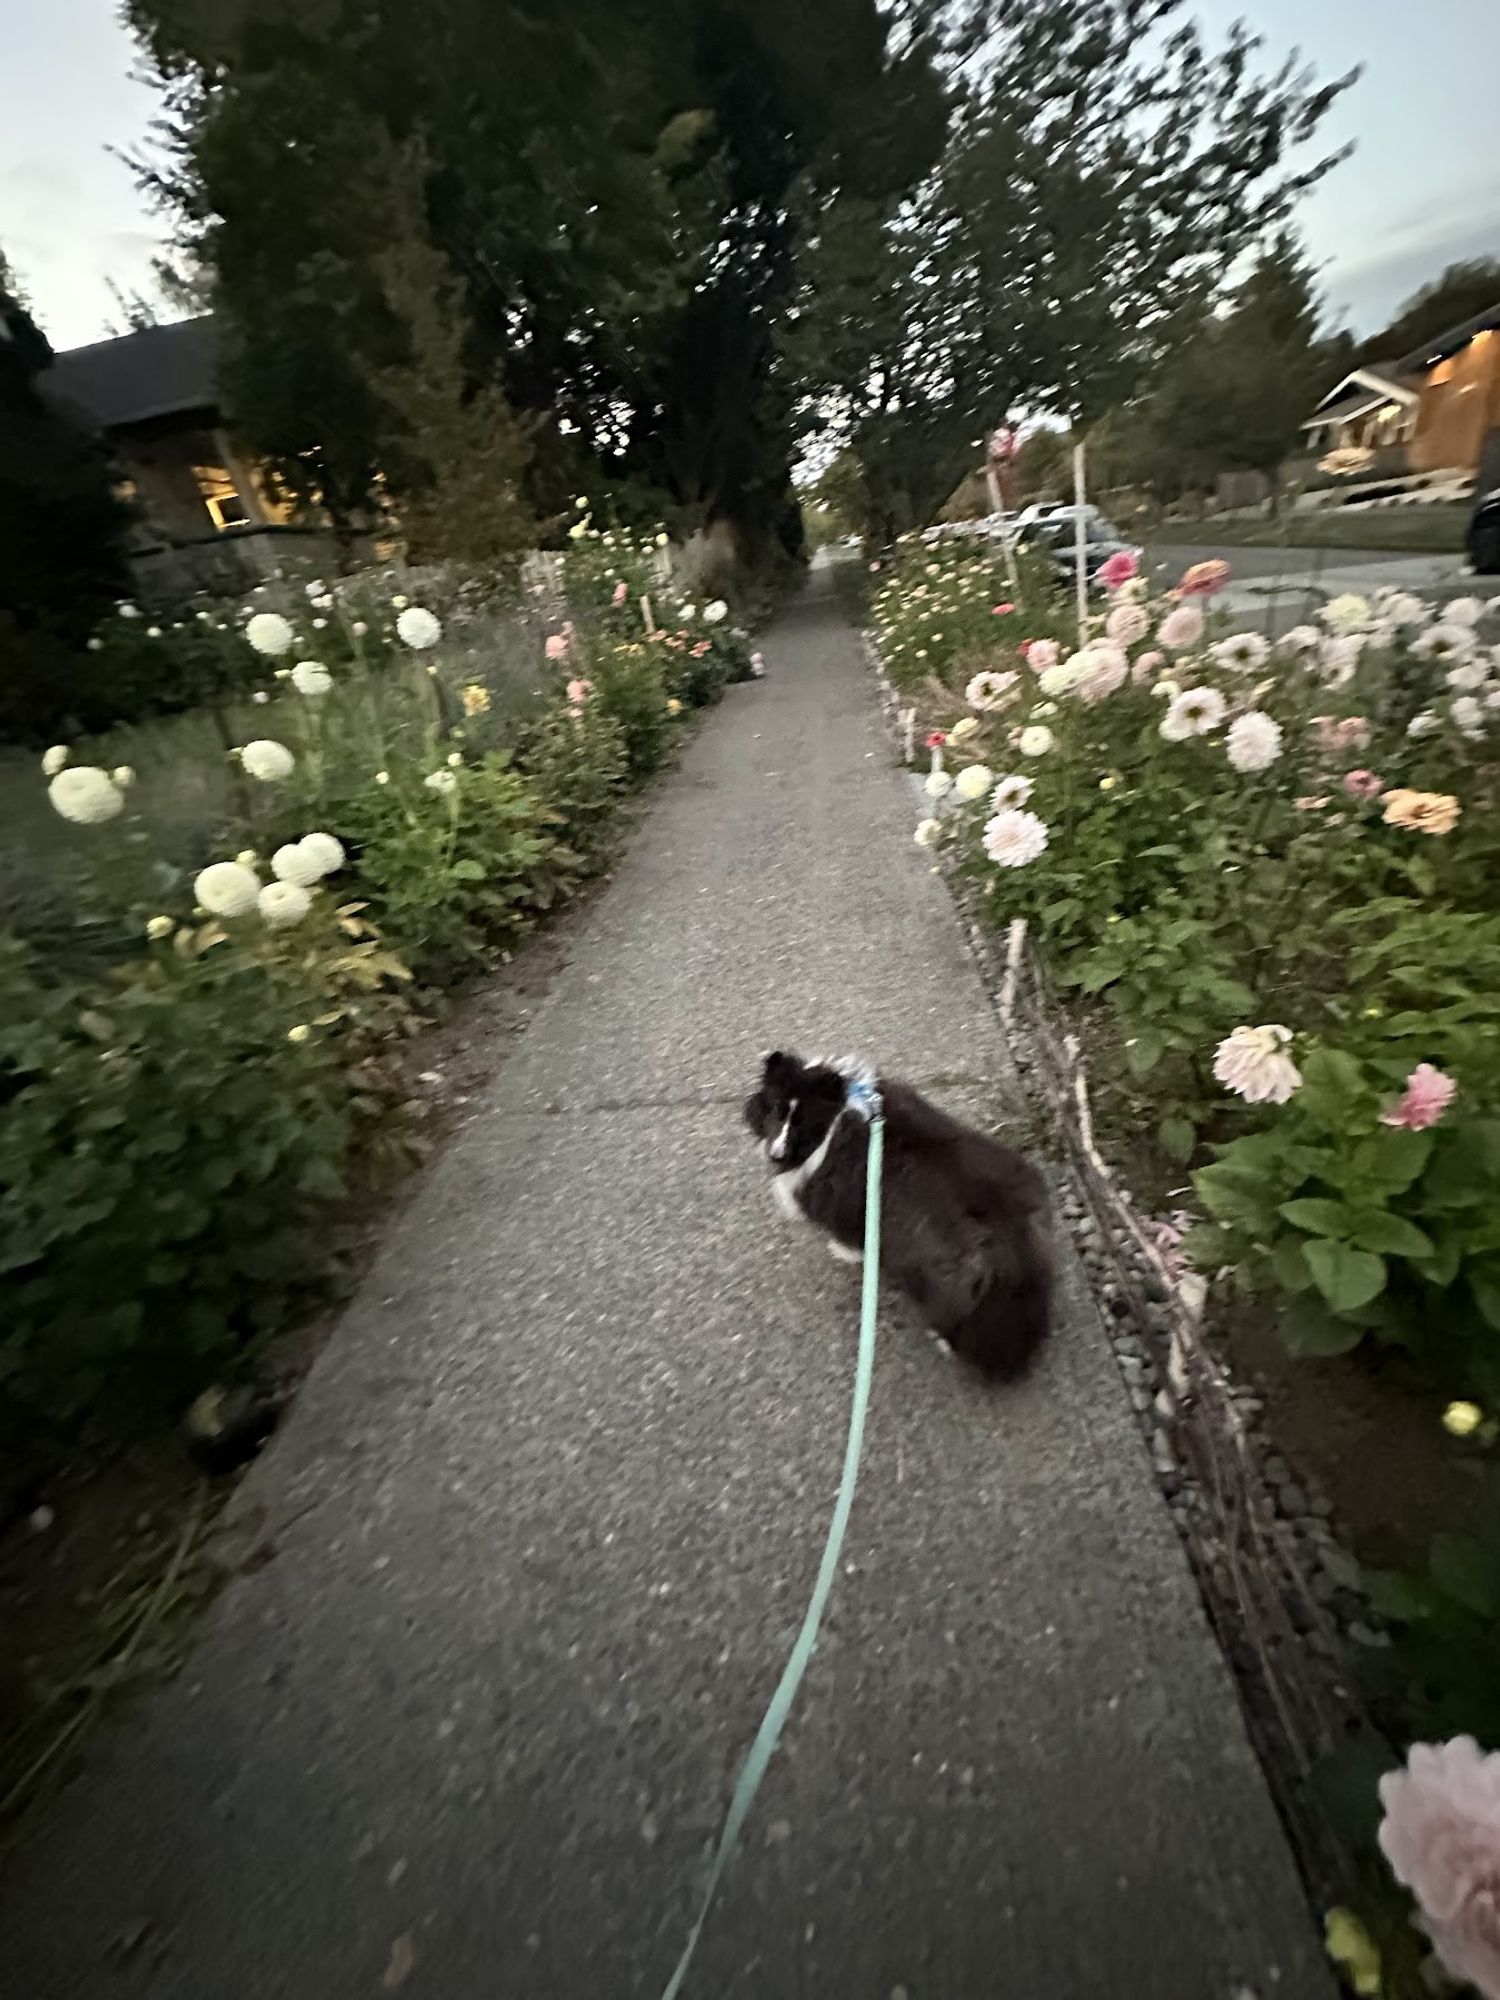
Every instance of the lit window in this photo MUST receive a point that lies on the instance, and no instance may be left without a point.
(225, 507)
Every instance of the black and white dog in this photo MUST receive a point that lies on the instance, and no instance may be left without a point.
(964, 1228)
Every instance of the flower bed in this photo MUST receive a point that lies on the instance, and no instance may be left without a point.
(201, 1056)
(1263, 873)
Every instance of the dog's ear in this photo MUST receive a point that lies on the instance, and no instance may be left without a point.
(823, 1085)
(780, 1068)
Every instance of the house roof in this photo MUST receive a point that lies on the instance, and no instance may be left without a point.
(1433, 351)
(1360, 390)
(154, 373)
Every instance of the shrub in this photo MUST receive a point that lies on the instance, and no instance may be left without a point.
(577, 763)
(168, 1146)
(630, 689)
(457, 861)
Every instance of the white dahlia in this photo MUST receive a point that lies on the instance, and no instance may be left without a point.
(418, 628)
(282, 904)
(269, 633)
(227, 889)
(267, 760)
(1012, 838)
(85, 794)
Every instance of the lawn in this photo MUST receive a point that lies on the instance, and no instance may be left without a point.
(1437, 529)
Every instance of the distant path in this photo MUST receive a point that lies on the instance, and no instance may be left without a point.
(548, 1511)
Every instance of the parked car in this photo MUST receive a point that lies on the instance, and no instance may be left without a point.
(1483, 539)
(1055, 535)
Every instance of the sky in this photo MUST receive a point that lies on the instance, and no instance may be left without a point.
(1422, 190)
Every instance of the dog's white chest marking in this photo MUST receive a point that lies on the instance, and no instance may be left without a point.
(787, 1186)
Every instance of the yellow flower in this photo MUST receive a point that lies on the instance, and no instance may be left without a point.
(1461, 1420)
(476, 699)
(300, 1033)
(159, 927)
(1352, 1949)
(248, 858)
(674, 708)
(1421, 812)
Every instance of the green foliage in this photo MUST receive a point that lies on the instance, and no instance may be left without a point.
(1444, 1669)
(578, 764)
(456, 873)
(1232, 390)
(1457, 293)
(62, 530)
(1104, 171)
(167, 1155)
(1170, 985)
(630, 688)
(936, 611)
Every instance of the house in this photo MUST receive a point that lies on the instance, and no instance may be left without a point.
(1431, 411)
(207, 518)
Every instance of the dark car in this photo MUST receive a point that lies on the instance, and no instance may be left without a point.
(1055, 534)
(1483, 539)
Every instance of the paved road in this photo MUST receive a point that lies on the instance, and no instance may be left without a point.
(1281, 587)
(550, 1506)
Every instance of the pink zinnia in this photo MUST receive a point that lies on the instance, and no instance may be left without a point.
(1205, 579)
(936, 739)
(1119, 569)
(1363, 784)
(1181, 628)
(1427, 1096)
(557, 647)
(1039, 654)
(622, 591)
(1001, 610)
(1441, 1835)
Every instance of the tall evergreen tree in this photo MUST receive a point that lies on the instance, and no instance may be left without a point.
(62, 529)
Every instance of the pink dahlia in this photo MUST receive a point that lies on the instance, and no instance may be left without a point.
(1363, 784)
(622, 591)
(1146, 668)
(579, 692)
(1181, 628)
(1427, 1096)
(1039, 654)
(557, 646)
(1441, 1835)
(1001, 610)
(1205, 579)
(1119, 569)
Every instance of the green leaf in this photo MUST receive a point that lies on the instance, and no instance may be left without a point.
(1468, 1571)
(1144, 1051)
(466, 871)
(1346, 1278)
(1484, 1283)
(1177, 1136)
(1390, 1235)
(1394, 1594)
(1289, 1264)
(1098, 973)
(1235, 1195)
(1310, 1331)
(1319, 1218)
(1208, 1246)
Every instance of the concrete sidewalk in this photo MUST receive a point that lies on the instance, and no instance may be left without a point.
(549, 1510)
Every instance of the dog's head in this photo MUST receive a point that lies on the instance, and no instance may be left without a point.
(794, 1107)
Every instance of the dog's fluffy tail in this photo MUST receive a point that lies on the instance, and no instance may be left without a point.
(1011, 1317)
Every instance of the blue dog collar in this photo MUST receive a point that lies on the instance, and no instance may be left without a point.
(860, 1095)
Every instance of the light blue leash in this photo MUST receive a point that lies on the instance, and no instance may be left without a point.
(864, 1101)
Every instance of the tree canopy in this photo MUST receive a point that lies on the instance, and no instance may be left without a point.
(1456, 294)
(686, 237)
